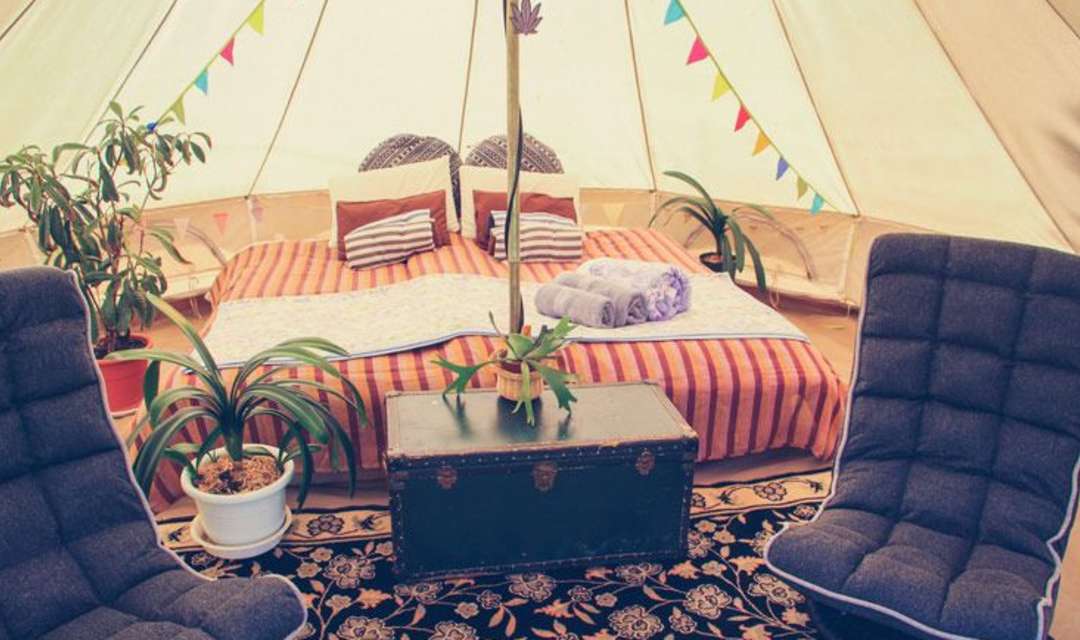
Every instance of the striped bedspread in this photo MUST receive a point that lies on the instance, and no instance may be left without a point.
(741, 395)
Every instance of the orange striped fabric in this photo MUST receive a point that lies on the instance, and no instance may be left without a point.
(741, 395)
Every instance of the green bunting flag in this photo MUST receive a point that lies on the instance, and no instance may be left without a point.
(255, 20)
(178, 109)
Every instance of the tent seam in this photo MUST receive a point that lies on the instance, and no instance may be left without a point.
(817, 111)
(997, 134)
(289, 101)
(1068, 25)
(640, 96)
(468, 77)
(11, 27)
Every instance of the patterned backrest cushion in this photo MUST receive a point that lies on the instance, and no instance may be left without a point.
(544, 237)
(536, 156)
(408, 148)
(486, 202)
(390, 240)
(74, 532)
(965, 414)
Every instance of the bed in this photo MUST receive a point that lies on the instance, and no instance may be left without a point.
(742, 396)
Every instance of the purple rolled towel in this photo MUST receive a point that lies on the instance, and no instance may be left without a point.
(629, 304)
(582, 307)
(666, 288)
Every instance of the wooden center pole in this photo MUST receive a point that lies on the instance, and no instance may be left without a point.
(513, 154)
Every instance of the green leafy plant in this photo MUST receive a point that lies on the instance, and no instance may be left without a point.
(227, 406)
(527, 356)
(87, 201)
(732, 243)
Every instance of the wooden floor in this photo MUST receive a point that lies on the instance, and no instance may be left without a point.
(832, 332)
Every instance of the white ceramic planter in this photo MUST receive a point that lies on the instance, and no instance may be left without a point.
(241, 519)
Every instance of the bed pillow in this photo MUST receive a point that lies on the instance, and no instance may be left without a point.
(390, 240)
(544, 237)
(472, 179)
(486, 202)
(352, 215)
(395, 183)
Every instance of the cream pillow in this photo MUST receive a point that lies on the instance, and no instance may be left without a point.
(558, 185)
(393, 183)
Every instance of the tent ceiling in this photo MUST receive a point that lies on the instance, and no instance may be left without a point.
(924, 112)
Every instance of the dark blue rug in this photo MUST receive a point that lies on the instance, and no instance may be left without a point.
(341, 562)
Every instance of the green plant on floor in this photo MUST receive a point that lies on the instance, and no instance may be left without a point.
(87, 200)
(732, 243)
(525, 356)
(227, 406)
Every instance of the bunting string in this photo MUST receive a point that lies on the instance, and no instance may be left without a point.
(699, 51)
(256, 21)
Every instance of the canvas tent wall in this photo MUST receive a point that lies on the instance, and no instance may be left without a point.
(935, 114)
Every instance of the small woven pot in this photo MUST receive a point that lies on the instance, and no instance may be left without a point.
(508, 381)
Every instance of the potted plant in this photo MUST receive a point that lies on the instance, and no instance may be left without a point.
(732, 243)
(522, 365)
(238, 487)
(87, 201)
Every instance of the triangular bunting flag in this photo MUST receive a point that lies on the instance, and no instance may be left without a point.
(255, 209)
(255, 20)
(761, 144)
(818, 203)
(674, 12)
(800, 188)
(181, 228)
(698, 52)
(720, 86)
(781, 167)
(221, 221)
(742, 118)
(227, 51)
(178, 109)
(203, 81)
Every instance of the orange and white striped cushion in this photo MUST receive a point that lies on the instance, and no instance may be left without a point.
(544, 237)
(390, 240)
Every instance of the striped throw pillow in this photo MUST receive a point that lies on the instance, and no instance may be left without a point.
(390, 240)
(544, 237)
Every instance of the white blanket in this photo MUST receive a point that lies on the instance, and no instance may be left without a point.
(432, 309)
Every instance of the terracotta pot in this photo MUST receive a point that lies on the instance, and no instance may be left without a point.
(124, 380)
(713, 261)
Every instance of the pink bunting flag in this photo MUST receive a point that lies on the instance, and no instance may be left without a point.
(698, 52)
(742, 118)
(227, 52)
(221, 221)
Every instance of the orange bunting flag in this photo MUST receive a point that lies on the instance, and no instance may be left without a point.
(720, 86)
(255, 20)
(221, 221)
(742, 118)
(698, 52)
(800, 188)
(761, 144)
(227, 50)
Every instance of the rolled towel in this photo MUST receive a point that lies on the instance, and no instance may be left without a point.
(666, 287)
(582, 307)
(629, 304)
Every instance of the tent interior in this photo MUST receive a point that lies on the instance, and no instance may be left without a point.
(845, 121)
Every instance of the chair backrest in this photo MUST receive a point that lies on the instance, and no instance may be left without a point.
(74, 531)
(965, 413)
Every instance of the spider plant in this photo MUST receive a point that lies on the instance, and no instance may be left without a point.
(228, 406)
(732, 243)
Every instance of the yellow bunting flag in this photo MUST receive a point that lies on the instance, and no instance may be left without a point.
(762, 143)
(178, 109)
(720, 86)
(800, 187)
(255, 20)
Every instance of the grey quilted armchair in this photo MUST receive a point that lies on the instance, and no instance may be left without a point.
(955, 487)
(79, 554)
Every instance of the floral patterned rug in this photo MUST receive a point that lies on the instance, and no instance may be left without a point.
(341, 562)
